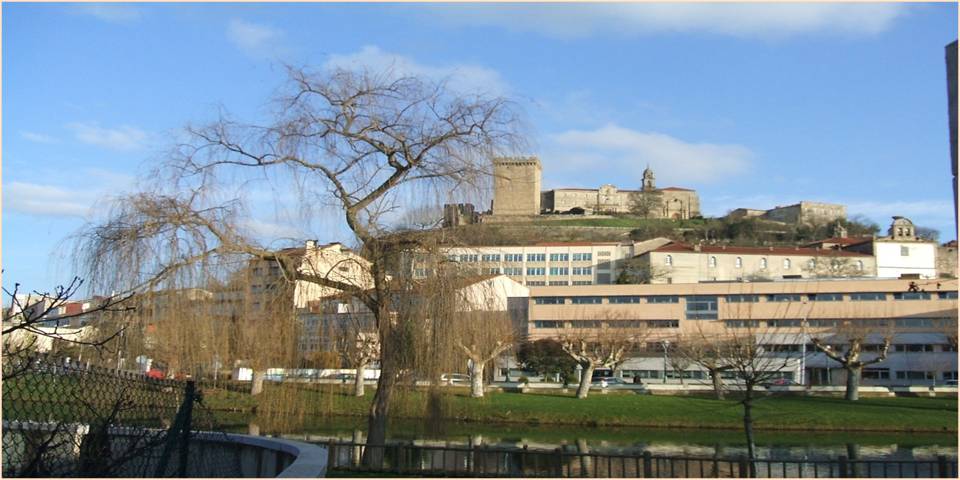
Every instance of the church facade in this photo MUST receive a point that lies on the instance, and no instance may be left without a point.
(516, 193)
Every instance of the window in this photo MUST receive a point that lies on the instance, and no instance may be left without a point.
(559, 257)
(820, 322)
(868, 296)
(579, 257)
(811, 264)
(585, 324)
(950, 375)
(663, 323)
(493, 271)
(583, 270)
(947, 295)
(784, 297)
(859, 265)
(763, 264)
(913, 348)
(559, 271)
(738, 263)
(914, 322)
(701, 307)
(915, 375)
(826, 297)
(452, 258)
(586, 300)
(490, 257)
(741, 323)
(535, 283)
(668, 260)
(904, 251)
(713, 262)
(583, 282)
(558, 283)
(663, 299)
(786, 264)
(468, 257)
(516, 271)
(623, 299)
(547, 324)
(784, 322)
(743, 298)
(536, 271)
(911, 296)
(876, 373)
(536, 257)
(513, 257)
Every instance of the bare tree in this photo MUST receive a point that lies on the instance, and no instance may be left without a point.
(646, 204)
(846, 346)
(362, 141)
(27, 321)
(600, 343)
(483, 336)
(708, 354)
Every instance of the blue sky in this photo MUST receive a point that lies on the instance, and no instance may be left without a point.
(752, 105)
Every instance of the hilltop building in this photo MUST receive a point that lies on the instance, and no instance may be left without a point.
(804, 212)
(517, 192)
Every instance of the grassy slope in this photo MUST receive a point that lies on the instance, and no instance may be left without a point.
(772, 413)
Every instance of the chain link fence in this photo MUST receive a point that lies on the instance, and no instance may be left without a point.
(64, 419)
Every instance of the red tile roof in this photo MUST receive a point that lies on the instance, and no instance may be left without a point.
(574, 244)
(845, 241)
(682, 247)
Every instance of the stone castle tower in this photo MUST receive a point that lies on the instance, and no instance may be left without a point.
(516, 186)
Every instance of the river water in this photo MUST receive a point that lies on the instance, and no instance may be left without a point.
(675, 442)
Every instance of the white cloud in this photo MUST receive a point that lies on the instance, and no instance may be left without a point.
(121, 138)
(616, 149)
(38, 137)
(735, 19)
(255, 40)
(113, 13)
(60, 196)
(462, 77)
(269, 230)
(47, 200)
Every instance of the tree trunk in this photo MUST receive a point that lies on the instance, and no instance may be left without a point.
(377, 421)
(586, 462)
(748, 428)
(476, 379)
(256, 386)
(853, 383)
(358, 382)
(717, 384)
(585, 378)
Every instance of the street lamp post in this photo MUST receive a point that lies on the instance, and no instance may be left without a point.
(665, 344)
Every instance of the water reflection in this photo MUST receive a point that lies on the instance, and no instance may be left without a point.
(631, 441)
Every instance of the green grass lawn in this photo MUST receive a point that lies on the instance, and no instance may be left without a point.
(773, 413)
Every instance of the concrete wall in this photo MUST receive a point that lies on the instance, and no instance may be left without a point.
(921, 258)
(698, 267)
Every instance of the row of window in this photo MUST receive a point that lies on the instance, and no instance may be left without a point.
(777, 297)
(518, 257)
(833, 322)
(577, 324)
(787, 263)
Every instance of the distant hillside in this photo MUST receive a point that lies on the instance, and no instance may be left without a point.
(744, 231)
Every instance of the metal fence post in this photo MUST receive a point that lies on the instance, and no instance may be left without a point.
(942, 470)
(190, 393)
(647, 464)
(559, 456)
(744, 467)
(331, 457)
(842, 467)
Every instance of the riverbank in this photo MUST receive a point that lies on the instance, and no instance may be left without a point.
(772, 413)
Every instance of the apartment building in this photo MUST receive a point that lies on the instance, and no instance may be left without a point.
(921, 316)
(546, 263)
(683, 263)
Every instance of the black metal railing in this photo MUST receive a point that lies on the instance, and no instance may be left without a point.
(484, 461)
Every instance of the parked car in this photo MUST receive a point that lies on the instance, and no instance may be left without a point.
(346, 377)
(455, 379)
(608, 381)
